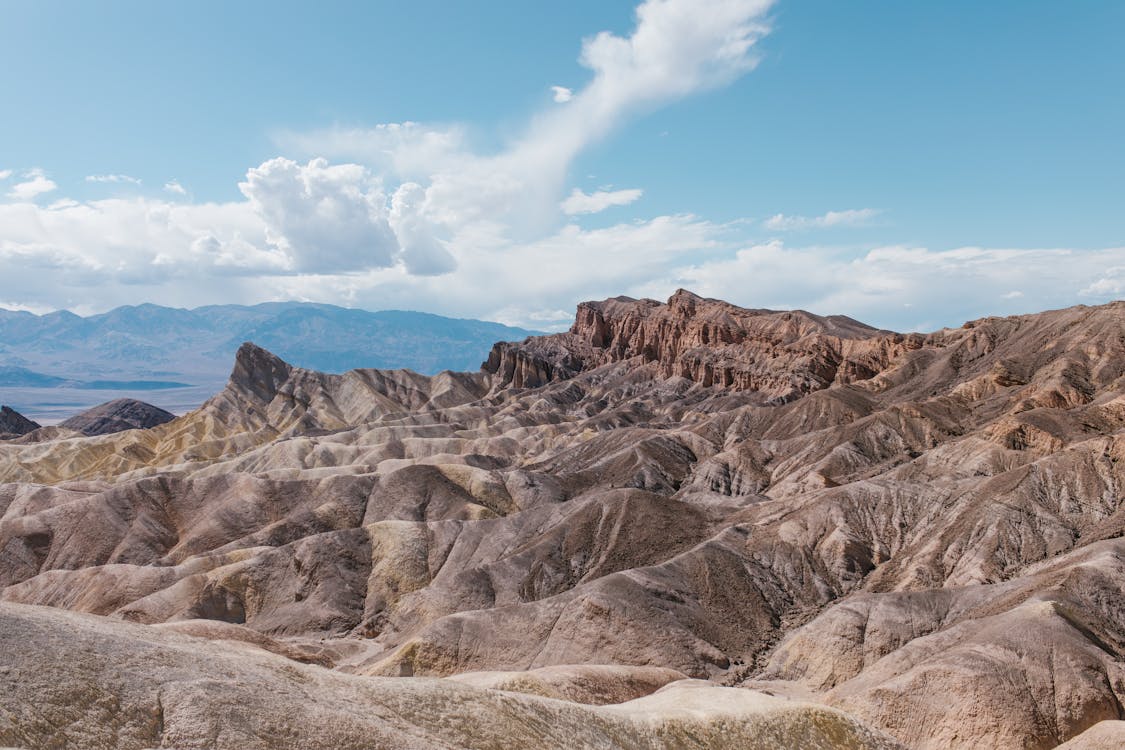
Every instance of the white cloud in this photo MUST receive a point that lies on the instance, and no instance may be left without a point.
(322, 217)
(522, 283)
(118, 178)
(407, 150)
(677, 47)
(35, 183)
(421, 251)
(906, 288)
(137, 249)
(5, 174)
(579, 202)
(117, 238)
(413, 216)
(561, 94)
(1110, 283)
(856, 217)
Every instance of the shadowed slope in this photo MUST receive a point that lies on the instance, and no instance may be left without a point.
(14, 424)
(116, 416)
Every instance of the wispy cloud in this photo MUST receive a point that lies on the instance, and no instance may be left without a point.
(855, 217)
(579, 202)
(174, 187)
(113, 178)
(677, 48)
(35, 183)
(5, 174)
(561, 94)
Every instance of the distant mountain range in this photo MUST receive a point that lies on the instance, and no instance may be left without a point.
(188, 353)
(22, 377)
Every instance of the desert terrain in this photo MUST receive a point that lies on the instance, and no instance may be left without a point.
(682, 524)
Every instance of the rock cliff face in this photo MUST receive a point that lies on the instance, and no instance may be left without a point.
(779, 356)
(13, 424)
(924, 531)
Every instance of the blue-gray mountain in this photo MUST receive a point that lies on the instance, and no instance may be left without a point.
(54, 365)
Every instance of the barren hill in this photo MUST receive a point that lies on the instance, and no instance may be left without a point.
(14, 424)
(116, 416)
(923, 530)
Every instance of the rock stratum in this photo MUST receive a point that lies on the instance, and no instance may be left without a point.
(676, 525)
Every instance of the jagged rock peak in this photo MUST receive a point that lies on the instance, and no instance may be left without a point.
(779, 354)
(14, 424)
(259, 372)
(118, 415)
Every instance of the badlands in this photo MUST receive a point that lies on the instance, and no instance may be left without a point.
(681, 524)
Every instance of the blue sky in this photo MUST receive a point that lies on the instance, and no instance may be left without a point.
(911, 164)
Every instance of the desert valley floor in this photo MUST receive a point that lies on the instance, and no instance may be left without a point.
(680, 524)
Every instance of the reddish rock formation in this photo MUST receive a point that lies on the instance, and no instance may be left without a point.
(779, 355)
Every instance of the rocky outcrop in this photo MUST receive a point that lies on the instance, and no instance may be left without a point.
(117, 416)
(13, 424)
(779, 355)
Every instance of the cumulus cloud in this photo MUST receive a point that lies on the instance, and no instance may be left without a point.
(35, 183)
(323, 217)
(421, 251)
(856, 217)
(113, 178)
(561, 94)
(174, 187)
